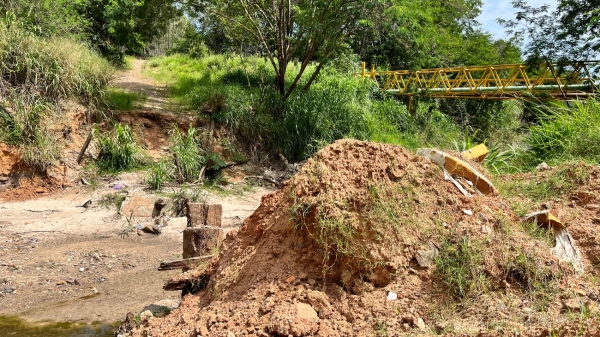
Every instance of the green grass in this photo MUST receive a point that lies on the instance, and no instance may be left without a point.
(566, 134)
(120, 99)
(459, 267)
(117, 149)
(547, 185)
(113, 200)
(36, 74)
(236, 92)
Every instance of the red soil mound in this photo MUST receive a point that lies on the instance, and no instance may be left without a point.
(361, 222)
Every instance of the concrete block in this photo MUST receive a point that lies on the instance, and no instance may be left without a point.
(201, 241)
(204, 215)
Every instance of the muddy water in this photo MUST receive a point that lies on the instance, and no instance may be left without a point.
(13, 326)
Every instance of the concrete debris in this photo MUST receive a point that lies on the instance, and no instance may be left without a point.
(545, 219)
(458, 168)
(477, 153)
(566, 250)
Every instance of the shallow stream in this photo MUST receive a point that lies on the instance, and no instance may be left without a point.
(14, 326)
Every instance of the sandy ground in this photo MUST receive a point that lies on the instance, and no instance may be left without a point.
(63, 262)
(69, 263)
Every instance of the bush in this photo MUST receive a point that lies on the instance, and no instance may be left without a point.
(188, 154)
(117, 150)
(566, 134)
(159, 174)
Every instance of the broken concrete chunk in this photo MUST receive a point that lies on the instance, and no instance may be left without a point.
(477, 153)
(151, 228)
(566, 250)
(545, 219)
(457, 167)
(138, 205)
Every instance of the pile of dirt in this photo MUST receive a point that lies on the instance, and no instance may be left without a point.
(369, 239)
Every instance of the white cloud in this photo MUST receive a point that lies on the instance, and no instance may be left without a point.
(493, 10)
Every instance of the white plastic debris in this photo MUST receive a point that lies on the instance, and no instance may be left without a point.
(392, 296)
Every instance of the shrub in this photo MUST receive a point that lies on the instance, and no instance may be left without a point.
(187, 153)
(160, 173)
(566, 133)
(116, 150)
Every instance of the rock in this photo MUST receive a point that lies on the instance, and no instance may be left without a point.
(146, 315)
(60, 283)
(486, 230)
(572, 304)
(320, 301)
(290, 279)
(410, 319)
(327, 331)
(468, 211)
(152, 229)
(420, 324)
(141, 206)
(425, 258)
(380, 277)
(298, 319)
(542, 167)
(592, 207)
(158, 207)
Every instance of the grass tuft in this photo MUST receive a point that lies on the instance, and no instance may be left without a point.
(117, 150)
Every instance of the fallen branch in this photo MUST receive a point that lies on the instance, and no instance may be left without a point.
(19, 233)
(42, 211)
(177, 264)
(84, 147)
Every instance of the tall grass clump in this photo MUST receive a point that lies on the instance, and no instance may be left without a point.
(459, 266)
(565, 134)
(188, 154)
(37, 73)
(116, 149)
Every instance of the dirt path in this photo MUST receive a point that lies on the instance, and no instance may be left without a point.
(62, 262)
(133, 80)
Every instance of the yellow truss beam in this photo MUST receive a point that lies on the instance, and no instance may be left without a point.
(503, 81)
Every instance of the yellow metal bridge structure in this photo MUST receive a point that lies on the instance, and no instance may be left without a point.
(506, 81)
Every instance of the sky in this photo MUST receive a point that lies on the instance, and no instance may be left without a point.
(494, 9)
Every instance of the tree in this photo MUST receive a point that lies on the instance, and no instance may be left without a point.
(570, 33)
(125, 26)
(405, 34)
(307, 30)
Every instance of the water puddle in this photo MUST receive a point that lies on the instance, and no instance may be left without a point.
(14, 326)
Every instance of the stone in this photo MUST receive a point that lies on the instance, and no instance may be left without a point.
(319, 301)
(159, 205)
(151, 228)
(542, 167)
(146, 315)
(486, 230)
(592, 207)
(298, 319)
(425, 258)
(138, 205)
(201, 241)
(572, 305)
(199, 214)
(290, 279)
(410, 319)
(420, 324)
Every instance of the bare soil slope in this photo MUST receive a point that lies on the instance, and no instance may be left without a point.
(347, 247)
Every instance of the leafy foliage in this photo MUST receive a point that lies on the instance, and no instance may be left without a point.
(116, 150)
